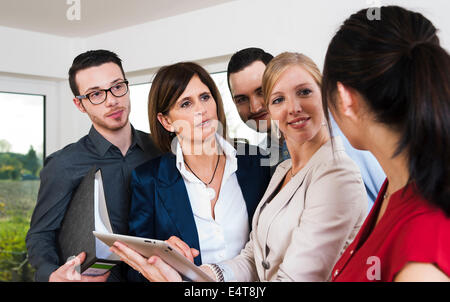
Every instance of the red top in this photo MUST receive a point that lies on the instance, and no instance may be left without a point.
(411, 230)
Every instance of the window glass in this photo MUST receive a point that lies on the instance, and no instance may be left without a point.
(21, 158)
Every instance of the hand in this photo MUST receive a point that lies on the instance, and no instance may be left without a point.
(68, 272)
(209, 272)
(153, 268)
(183, 248)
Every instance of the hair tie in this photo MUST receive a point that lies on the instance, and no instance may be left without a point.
(412, 46)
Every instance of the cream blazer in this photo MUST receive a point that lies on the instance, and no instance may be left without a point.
(299, 234)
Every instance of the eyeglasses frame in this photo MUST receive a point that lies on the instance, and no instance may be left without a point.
(86, 96)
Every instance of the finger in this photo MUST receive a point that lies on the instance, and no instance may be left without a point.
(68, 270)
(152, 273)
(182, 248)
(117, 251)
(135, 260)
(178, 242)
(126, 252)
(75, 261)
(101, 278)
(148, 270)
(124, 258)
(166, 271)
(185, 252)
(81, 257)
(195, 252)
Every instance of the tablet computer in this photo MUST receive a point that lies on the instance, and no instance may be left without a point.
(152, 247)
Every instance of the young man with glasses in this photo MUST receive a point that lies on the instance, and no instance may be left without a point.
(98, 83)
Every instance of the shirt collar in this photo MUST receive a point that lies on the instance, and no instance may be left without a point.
(136, 139)
(228, 150)
(102, 144)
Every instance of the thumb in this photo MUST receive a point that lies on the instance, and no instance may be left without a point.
(71, 270)
(74, 261)
(81, 257)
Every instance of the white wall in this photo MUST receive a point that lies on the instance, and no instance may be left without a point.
(32, 53)
(208, 36)
(304, 26)
(21, 84)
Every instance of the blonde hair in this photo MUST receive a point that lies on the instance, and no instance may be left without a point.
(280, 63)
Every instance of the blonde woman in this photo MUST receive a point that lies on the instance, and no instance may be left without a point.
(315, 202)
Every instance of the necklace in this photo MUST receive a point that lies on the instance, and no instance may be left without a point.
(210, 191)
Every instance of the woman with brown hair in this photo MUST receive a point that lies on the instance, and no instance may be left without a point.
(315, 202)
(387, 84)
(200, 183)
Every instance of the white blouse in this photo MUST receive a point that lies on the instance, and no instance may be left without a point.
(224, 237)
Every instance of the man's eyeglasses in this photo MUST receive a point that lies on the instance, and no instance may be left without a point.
(99, 96)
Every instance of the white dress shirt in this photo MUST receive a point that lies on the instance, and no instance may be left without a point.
(224, 237)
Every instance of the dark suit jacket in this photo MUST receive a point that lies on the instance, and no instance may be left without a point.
(160, 205)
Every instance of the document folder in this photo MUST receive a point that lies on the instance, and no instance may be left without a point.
(87, 212)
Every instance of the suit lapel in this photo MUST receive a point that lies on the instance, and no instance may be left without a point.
(174, 197)
(275, 181)
(282, 197)
(285, 195)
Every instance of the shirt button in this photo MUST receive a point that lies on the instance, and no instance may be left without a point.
(351, 252)
(265, 265)
(336, 272)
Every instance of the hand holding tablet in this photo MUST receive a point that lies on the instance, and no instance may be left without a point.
(144, 247)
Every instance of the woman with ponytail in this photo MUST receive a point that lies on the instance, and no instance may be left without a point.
(387, 84)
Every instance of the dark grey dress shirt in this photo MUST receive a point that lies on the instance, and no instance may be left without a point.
(61, 175)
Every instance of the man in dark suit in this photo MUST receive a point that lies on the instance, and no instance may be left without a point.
(100, 90)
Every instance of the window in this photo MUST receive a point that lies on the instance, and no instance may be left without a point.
(139, 108)
(22, 150)
(139, 113)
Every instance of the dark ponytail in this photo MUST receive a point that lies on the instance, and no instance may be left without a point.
(399, 67)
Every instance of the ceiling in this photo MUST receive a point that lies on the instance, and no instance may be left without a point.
(95, 16)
